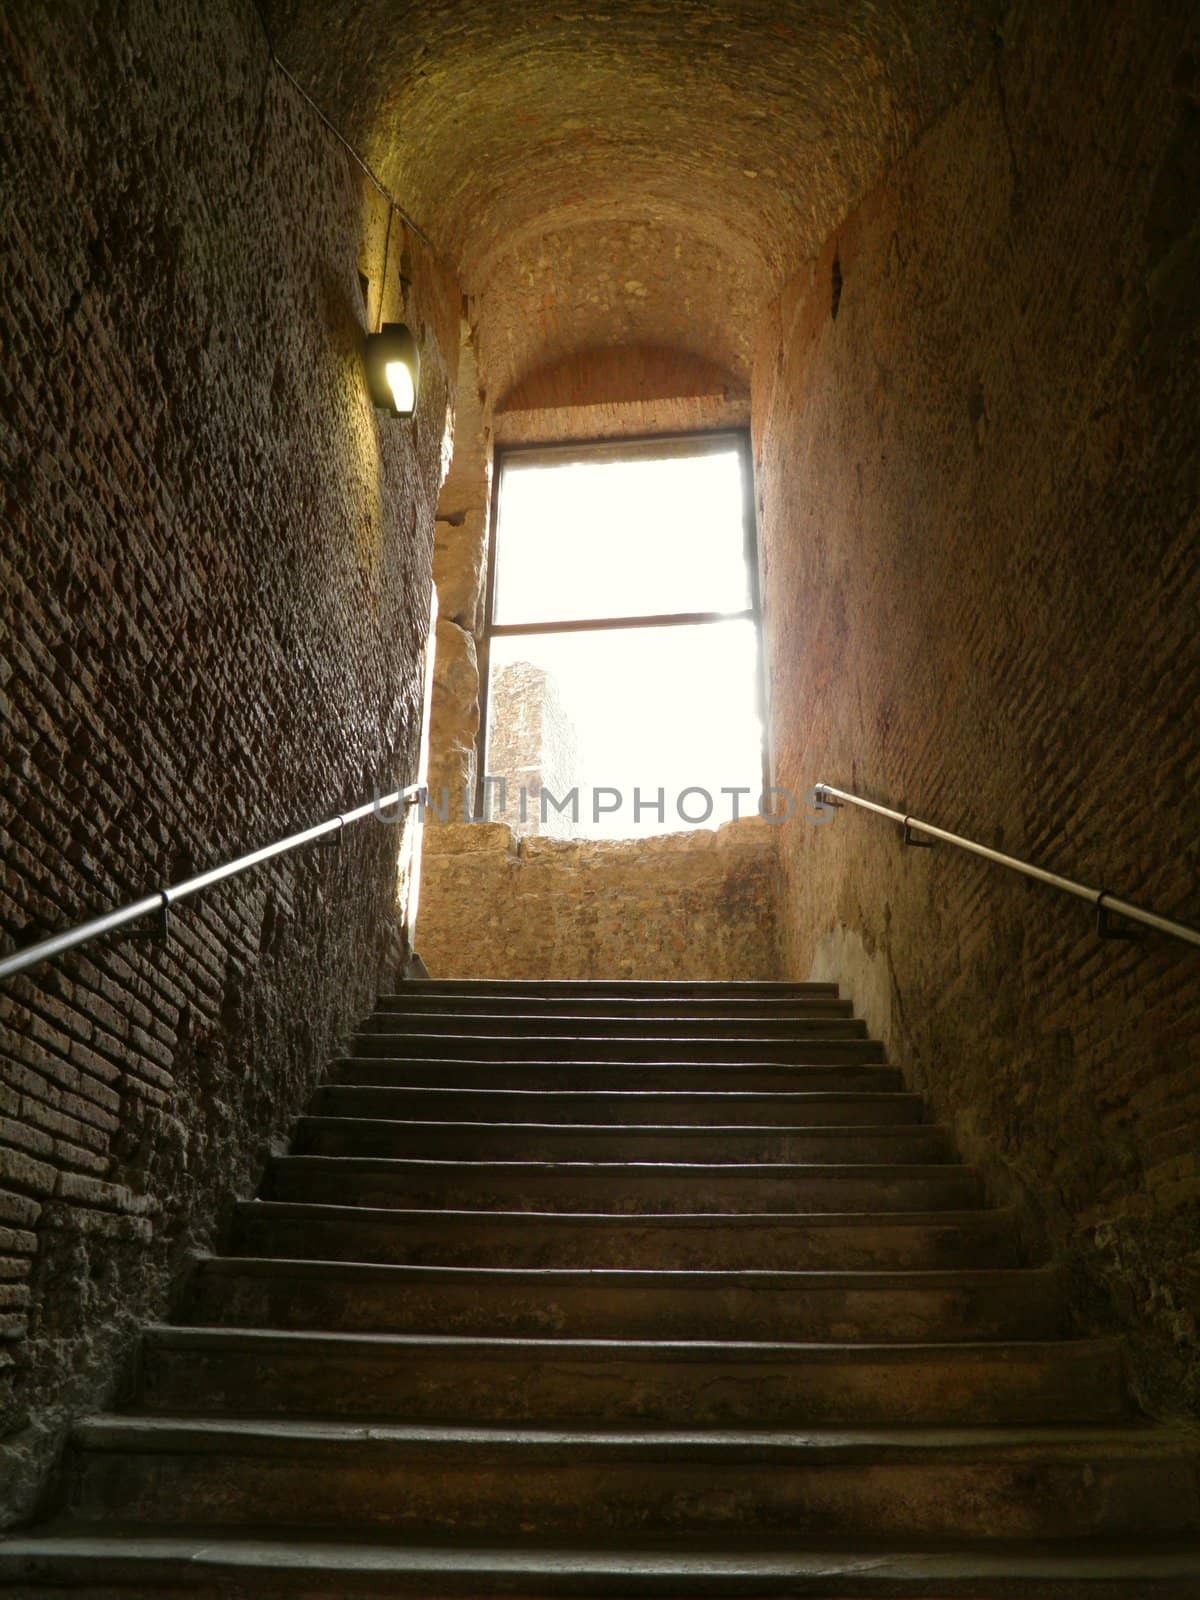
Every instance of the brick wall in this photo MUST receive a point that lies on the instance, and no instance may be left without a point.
(979, 499)
(216, 573)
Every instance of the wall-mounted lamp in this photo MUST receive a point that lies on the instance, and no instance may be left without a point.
(393, 369)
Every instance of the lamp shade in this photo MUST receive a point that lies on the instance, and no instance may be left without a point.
(393, 369)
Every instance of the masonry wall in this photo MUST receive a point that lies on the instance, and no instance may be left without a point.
(533, 745)
(699, 905)
(216, 575)
(459, 566)
(975, 421)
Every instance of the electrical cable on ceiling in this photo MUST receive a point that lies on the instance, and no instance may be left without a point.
(343, 141)
(387, 245)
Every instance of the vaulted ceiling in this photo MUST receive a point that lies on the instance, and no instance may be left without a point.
(617, 172)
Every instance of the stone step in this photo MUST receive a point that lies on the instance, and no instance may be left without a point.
(966, 1305)
(535, 1005)
(498, 1306)
(824, 1050)
(608, 988)
(557, 1141)
(684, 1384)
(478, 1024)
(474, 1482)
(863, 1241)
(551, 1076)
(621, 1185)
(628, 1108)
(179, 1565)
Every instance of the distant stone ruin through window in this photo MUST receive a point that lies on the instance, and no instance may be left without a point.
(623, 679)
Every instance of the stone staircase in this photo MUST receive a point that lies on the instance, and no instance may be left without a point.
(620, 1289)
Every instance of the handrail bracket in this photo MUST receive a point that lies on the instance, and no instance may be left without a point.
(1106, 928)
(157, 904)
(910, 838)
(331, 841)
(159, 931)
(1113, 913)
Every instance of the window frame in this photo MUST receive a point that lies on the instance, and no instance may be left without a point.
(618, 449)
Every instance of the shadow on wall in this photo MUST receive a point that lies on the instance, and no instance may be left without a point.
(979, 487)
(214, 598)
(863, 970)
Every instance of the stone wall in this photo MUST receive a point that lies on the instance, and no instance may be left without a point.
(532, 745)
(216, 578)
(698, 905)
(459, 566)
(975, 423)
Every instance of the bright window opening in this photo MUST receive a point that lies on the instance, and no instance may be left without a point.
(624, 680)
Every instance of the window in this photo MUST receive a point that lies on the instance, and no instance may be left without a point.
(622, 660)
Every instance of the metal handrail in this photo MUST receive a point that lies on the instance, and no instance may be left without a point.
(1106, 904)
(159, 903)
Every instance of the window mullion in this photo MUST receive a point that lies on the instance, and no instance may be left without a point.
(670, 619)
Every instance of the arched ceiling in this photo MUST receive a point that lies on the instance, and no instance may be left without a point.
(608, 172)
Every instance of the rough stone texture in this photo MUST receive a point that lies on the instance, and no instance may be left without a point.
(624, 390)
(627, 374)
(639, 172)
(979, 489)
(622, 420)
(459, 565)
(460, 545)
(599, 284)
(216, 574)
(452, 758)
(698, 905)
(533, 745)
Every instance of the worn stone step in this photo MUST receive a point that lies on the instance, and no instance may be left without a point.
(628, 1108)
(534, 1005)
(621, 1185)
(652, 1077)
(825, 1049)
(66, 1562)
(911, 1483)
(837, 1025)
(766, 1241)
(607, 988)
(456, 1379)
(557, 1141)
(781, 1316)
(974, 1305)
